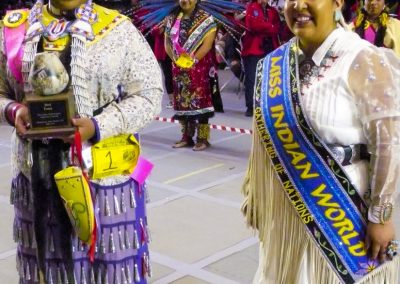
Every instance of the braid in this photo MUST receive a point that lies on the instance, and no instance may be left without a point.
(360, 23)
(381, 32)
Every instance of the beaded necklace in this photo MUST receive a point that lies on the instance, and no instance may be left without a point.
(306, 70)
(85, 16)
(80, 31)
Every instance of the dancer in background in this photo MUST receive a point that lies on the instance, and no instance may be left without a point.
(261, 37)
(375, 25)
(189, 39)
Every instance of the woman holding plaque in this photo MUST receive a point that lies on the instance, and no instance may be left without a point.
(116, 84)
(323, 172)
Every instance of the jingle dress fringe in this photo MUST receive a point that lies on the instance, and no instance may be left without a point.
(287, 254)
(122, 254)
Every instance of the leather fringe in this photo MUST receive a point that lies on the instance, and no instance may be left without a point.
(287, 253)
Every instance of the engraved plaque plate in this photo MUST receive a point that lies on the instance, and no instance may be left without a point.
(51, 116)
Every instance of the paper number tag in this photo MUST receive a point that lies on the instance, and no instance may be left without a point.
(116, 155)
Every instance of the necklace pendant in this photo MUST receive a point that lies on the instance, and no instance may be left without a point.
(306, 68)
(57, 29)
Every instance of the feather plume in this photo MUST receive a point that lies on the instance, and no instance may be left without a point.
(152, 13)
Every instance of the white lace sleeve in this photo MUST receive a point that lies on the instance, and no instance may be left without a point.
(374, 79)
(138, 72)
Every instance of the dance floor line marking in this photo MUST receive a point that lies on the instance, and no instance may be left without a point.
(5, 199)
(146, 141)
(5, 144)
(198, 269)
(197, 192)
(201, 187)
(7, 254)
(193, 173)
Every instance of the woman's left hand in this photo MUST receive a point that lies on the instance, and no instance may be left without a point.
(86, 128)
(378, 238)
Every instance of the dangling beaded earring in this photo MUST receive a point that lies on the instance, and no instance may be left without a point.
(338, 16)
(339, 19)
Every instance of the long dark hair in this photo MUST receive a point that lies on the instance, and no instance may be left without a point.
(361, 22)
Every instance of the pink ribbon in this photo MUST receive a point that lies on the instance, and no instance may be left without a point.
(142, 170)
(175, 36)
(14, 38)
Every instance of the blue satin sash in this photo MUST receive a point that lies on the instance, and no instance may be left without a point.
(316, 185)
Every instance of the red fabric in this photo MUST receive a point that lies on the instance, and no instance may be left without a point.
(159, 47)
(259, 28)
(76, 149)
(192, 88)
(285, 34)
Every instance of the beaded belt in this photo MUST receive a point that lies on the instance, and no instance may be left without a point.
(347, 155)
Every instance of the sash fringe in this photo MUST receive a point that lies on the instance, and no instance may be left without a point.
(287, 254)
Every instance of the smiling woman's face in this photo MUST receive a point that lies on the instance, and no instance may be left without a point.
(311, 20)
(67, 4)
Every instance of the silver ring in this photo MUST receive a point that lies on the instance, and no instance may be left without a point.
(392, 248)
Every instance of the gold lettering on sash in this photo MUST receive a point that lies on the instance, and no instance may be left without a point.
(264, 136)
(358, 249)
(296, 157)
(275, 69)
(346, 238)
(277, 112)
(306, 173)
(324, 197)
(291, 146)
(335, 214)
(340, 221)
(286, 136)
(297, 202)
(344, 226)
(274, 78)
(279, 169)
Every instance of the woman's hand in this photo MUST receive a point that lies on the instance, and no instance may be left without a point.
(22, 120)
(378, 238)
(86, 128)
